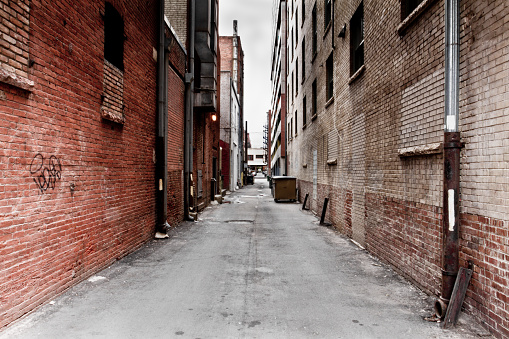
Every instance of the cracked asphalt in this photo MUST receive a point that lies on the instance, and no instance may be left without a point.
(248, 268)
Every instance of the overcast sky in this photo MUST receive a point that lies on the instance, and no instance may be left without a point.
(255, 30)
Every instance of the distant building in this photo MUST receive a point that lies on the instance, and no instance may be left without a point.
(278, 76)
(232, 103)
(256, 160)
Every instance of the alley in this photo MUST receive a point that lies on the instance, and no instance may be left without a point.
(249, 268)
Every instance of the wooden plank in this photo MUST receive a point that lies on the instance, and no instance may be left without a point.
(457, 297)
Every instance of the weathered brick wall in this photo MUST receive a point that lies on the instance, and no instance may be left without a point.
(77, 191)
(14, 43)
(382, 193)
(176, 107)
(176, 12)
(484, 125)
(112, 107)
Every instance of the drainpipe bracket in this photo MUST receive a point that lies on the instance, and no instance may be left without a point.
(454, 144)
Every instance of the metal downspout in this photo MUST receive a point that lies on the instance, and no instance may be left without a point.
(189, 112)
(452, 147)
(162, 129)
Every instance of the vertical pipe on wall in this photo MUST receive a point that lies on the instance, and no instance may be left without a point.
(189, 112)
(162, 127)
(452, 146)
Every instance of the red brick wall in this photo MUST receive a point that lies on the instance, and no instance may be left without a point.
(176, 108)
(77, 191)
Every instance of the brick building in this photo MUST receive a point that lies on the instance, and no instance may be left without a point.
(78, 157)
(201, 151)
(279, 89)
(365, 125)
(232, 109)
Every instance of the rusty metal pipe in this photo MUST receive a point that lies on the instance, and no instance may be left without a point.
(452, 147)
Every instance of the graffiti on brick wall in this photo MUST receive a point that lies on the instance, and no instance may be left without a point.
(45, 172)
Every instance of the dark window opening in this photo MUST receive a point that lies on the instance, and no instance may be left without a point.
(291, 47)
(327, 13)
(197, 72)
(329, 65)
(296, 27)
(292, 87)
(296, 118)
(357, 40)
(314, 31)
(113, 36)
(303, 11)
(304, 118)
(408, 6)
(313, 98)
(213, 28)
(303, 67)
(296, 76)
(250, 157)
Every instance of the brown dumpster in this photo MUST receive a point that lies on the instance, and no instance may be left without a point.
(284, 188)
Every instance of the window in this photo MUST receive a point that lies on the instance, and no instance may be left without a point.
(303, 67)
(296, 76)
(303, 11)
(112, 106)
(408, 6)
(250, 157)
(314, 31)
(213, 25)
(296, 27)
(259, 156)
(292, 87)
(357, 40)
(329, 65)
(296, 116)
(14, 46)
(327, 13)
(304, 110)
(291, 46)
(313, 98)
(113, 36)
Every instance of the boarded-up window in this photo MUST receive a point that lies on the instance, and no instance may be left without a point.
(14, 51)
(112, 107)
(332, 146)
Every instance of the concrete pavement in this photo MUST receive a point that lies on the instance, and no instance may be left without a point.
(249, 268)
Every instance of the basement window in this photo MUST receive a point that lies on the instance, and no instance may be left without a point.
(113, 36)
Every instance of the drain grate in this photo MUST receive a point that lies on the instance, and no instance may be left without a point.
(239, 221)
